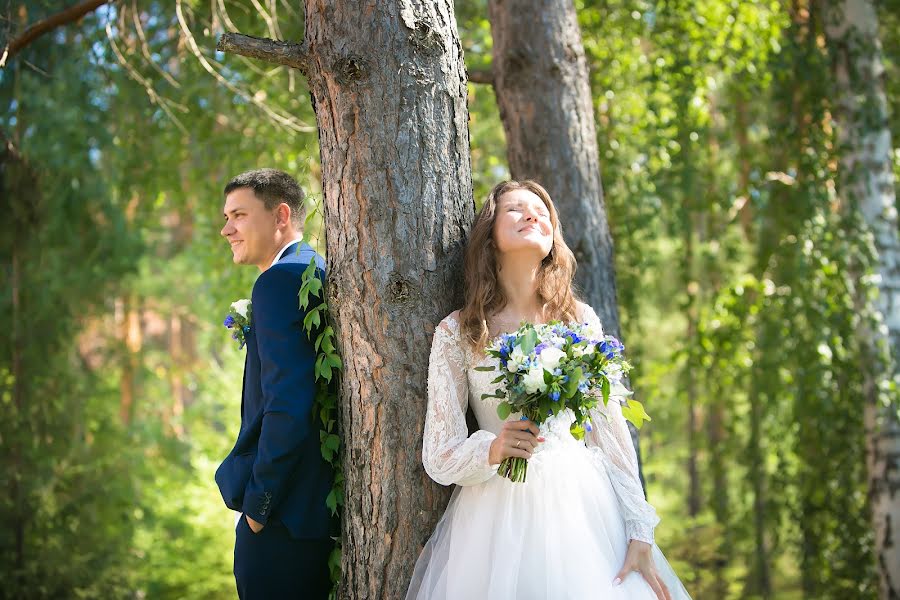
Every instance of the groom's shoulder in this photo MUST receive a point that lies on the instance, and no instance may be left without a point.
(285, 277)
(302, 258)
(281, 278)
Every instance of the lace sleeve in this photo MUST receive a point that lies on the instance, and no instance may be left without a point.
(612, 440)
(449, 454)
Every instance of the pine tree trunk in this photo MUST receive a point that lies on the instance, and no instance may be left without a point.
(543, 91)
(541, 80)
(389, 88)
(867, 184)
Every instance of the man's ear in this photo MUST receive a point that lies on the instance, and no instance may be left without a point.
(283, 214)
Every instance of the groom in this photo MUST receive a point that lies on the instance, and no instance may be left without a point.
(275, 475)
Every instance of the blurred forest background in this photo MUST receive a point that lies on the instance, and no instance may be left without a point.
(737, 268)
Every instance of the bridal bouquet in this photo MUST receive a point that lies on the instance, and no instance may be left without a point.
(549, 367)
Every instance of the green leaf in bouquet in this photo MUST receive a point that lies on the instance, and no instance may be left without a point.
(571, 386)
(529, 341)
(487, 369)
(634, 411)
(577, 431)
(504, 409)
(604, 387)
(579, 416)
(499, 378)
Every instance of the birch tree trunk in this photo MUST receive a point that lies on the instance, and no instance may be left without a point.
(389, 87)
(540, 77)
(867, 185)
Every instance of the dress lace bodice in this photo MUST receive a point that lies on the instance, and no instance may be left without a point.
(451, 456)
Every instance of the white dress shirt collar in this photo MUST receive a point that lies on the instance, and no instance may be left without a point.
(283, 248)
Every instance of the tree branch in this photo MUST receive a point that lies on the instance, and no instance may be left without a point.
(35, 30)
(481, 76)
(288, 54)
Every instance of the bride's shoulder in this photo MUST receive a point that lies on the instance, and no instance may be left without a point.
(450, 323)
(584, 311)
(447, 331)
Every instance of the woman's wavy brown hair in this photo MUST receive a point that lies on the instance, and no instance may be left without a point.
(484, 296)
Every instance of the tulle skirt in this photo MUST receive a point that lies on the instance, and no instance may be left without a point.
(559, 535)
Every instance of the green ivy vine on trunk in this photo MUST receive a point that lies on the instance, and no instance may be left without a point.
(327, 369)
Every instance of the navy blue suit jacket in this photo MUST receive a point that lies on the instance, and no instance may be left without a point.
(276, 470)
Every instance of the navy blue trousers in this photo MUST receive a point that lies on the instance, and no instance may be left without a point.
(271, 565)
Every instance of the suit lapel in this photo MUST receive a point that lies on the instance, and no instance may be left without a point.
(292, 249)
(251, 341)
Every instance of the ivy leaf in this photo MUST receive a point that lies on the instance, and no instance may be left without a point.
(323, 369)
(327, 454)
(331, 501)
(326, 335)
(634, 411)
(312, 319)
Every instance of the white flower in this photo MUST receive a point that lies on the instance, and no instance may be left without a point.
(593, 331)
(241, 306)
(549, 358)
(534, 380)
(517, 358)
(582, 349)
(613, 371)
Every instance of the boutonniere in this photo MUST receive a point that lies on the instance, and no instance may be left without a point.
(238, 318)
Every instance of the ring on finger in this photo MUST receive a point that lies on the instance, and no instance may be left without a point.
(518, 442)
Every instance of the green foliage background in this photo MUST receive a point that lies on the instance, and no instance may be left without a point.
(736, 263)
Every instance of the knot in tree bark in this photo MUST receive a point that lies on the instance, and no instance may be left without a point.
(425, 39)
(518, 61)
(350, 68)
(399, 289)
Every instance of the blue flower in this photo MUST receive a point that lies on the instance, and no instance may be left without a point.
(588, 428)
(246, 329)
(229, 322)
(573, 336)
(554, 395)
(540, 347)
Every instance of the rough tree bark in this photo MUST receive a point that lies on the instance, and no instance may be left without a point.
(389, 88)
(867, 184)
(540, 76)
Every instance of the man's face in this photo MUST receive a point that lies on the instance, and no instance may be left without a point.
(250, 228)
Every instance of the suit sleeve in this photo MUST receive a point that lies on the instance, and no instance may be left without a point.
(287, 361)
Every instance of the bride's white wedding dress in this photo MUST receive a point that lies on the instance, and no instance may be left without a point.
(563, 533)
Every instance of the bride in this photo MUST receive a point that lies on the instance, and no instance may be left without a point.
(579, 526)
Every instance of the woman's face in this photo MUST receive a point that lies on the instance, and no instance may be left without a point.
(522, 224)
